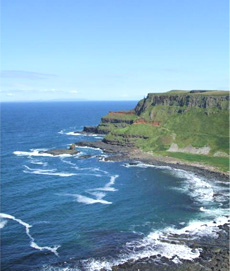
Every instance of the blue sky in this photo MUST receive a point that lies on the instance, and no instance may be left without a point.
(111, 49)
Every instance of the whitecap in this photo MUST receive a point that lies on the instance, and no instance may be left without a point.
(108, 187)
(73, 133)
(2, 223)
(27, 228)
(67, 162)
(202, 209)
(98, 195)
(31, 153)
(51, 172)
(196, 186)
(40, 153)
(102, 158)
(87, 200)
(144, 165)
(157, 243)
(35, 162)
(61, 132)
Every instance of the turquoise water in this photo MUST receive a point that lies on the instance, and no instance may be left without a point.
(67, 213)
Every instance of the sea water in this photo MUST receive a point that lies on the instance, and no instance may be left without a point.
(69, 213)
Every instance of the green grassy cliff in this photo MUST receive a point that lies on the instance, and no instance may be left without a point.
(188, 125)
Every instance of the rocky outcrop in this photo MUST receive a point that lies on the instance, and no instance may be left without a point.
(72, 147)
(115, 120)
(104, 146)
(183, 100)
(61, 152)
(189, 149)
(90, 129)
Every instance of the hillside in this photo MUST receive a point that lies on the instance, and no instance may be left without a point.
(188, 125)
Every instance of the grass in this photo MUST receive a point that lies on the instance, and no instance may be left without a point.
(221, 163)
(121, 117)
(187, 92)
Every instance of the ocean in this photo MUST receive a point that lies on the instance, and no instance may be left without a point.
(69, 213)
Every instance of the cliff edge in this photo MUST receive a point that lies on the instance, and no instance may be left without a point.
(191, 125)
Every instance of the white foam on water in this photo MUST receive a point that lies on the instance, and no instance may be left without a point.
(102, 158)
(156, 243)
(108, 187)
(32, 153)
(50, 172)
(73, 133)
(100, 170)
(40, 153)
(87, 200)
(27, 226)
(92, 169)
(196, 186)
(2, 223)
(36, 162)
(199, 228)
(98, 195)
(67, 162)
(202, 209)
(144, 165)
(54, 268)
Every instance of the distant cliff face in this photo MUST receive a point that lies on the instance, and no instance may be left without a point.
(183, 100)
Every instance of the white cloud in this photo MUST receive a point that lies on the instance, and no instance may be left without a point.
(10, 94)
(73, 91)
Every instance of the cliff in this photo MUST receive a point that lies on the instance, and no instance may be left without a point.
(172, 124)
(191, 99)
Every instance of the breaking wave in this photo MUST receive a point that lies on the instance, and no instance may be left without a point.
(158, 243)
(39, 152)
(197, 187)
(51, 172)
(27, 226)
(108, 187)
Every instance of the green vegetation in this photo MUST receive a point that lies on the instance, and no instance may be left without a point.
(204, 123)
(121, 117)
(220, 162)
(186, 92)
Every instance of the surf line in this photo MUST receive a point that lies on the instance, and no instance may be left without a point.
(32, 240)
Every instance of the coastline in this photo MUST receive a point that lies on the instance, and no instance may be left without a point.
(123, 153)
(214, 254)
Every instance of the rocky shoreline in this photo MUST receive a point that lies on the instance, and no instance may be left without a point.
(124, 153)
(214, 255)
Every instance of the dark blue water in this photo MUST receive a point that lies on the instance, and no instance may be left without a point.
(68, 213)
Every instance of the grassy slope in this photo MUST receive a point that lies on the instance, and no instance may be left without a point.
(220, 162)
(120, 117)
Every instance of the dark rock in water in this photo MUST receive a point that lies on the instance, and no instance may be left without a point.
(72, 147)
(133, 163)
(90, 129)
(61, 151)
(85, 156)
(103, 146)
